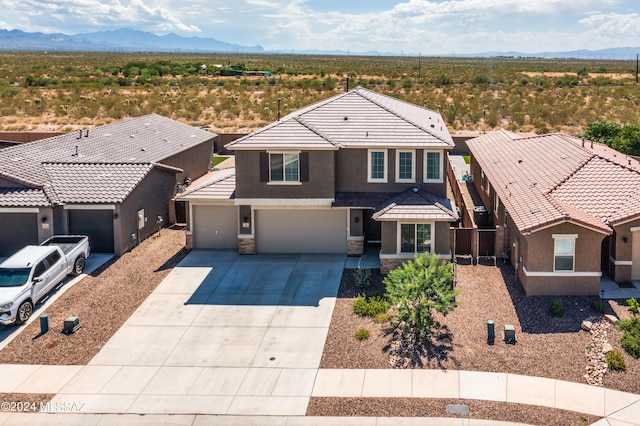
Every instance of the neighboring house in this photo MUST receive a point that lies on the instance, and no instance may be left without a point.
(112, 182)
(355, 169)
(568, 209)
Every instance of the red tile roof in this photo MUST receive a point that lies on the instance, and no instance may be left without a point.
(546, 179)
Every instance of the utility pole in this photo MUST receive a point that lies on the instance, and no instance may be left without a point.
(419, 68)
(637, 58)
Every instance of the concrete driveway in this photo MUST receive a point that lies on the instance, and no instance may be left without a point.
(222, 334)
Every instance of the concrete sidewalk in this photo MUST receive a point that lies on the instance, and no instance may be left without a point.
(277, 392)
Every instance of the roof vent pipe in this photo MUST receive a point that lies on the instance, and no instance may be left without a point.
(591, 144)
(278, 109)
(76, 154)
(347, 84)
(86, 135)
(80, 135)
(583, 142)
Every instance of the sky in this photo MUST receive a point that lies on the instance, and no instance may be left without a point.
(428, 27)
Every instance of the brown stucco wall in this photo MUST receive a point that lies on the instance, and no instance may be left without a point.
(320, 185)
(152, 195)
(443, 240)
(389, 242)
(537, 254)
(540, 246)
(195, 161)
(351, 173)
(224, 138)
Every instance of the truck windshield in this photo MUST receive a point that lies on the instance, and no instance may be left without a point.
(13, 277)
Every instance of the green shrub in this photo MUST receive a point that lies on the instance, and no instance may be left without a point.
(557, 308)
(631, 338)
(381, 317)
(362, 277)
(615, 361)
(597, 306)
(370, 306)
(363, 334)
(633, 305)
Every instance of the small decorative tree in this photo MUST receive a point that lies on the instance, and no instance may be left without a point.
(417, 289)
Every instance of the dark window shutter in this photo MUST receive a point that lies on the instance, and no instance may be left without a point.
(264, 167)
(304, 167)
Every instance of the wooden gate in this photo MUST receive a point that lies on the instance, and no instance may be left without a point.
(462, 239)
(486, 242)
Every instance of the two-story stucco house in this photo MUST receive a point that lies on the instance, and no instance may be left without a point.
(358, 168)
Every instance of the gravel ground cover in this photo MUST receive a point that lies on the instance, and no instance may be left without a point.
(547, 346)
(419, 407)
(103, 301)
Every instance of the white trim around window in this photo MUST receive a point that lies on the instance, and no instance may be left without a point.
(427, 170)
(564, 250)
(418, 228)
(288, 171)
(412, 159)
(381, 175)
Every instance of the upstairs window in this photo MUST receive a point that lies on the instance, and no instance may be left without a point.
(284, 167)
(415, 238)
(377, 166)
(405, 166)
(564, 248)
(433, 166)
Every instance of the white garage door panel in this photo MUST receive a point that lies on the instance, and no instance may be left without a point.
(301, 231)
(215, 227)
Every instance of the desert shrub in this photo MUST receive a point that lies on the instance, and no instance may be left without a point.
(362, 277)
(631, 338)
(418, 288)
(615, 360)
(597, 306)
(363, 334)
(381, 317)
(633, 305)
(370, 306)
(481, 79)
(557, 308)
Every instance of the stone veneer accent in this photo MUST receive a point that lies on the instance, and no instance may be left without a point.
(246, 245)
(389, 264)
(188, 240)
(355, 247)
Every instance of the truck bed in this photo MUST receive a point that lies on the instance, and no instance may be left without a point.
(65, 242)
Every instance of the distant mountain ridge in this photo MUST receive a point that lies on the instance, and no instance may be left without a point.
(123, 39)
(130, 40)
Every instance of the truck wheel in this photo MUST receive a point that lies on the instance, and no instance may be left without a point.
(24, 312)
(78, 266)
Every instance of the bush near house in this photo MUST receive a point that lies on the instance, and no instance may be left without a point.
(631, 338)
(417, 289)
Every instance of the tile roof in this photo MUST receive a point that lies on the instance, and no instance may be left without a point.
(23, 197)
(358, 118)
(548, 179)
(374, 200)
(95, 183)
(149, 140)
(220, 185)
(417, 204)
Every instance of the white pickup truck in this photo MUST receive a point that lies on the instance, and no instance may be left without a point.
(28, 275)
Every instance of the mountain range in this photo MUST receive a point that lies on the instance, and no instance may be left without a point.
(129, 40)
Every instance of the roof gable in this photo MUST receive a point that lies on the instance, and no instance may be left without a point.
(417, 204)
(359, 118)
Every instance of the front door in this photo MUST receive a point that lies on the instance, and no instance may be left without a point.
(372, 228)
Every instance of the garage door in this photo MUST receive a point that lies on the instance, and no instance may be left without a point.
(215, 227)
(17, 230)
(97, 224)
(301, 231)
